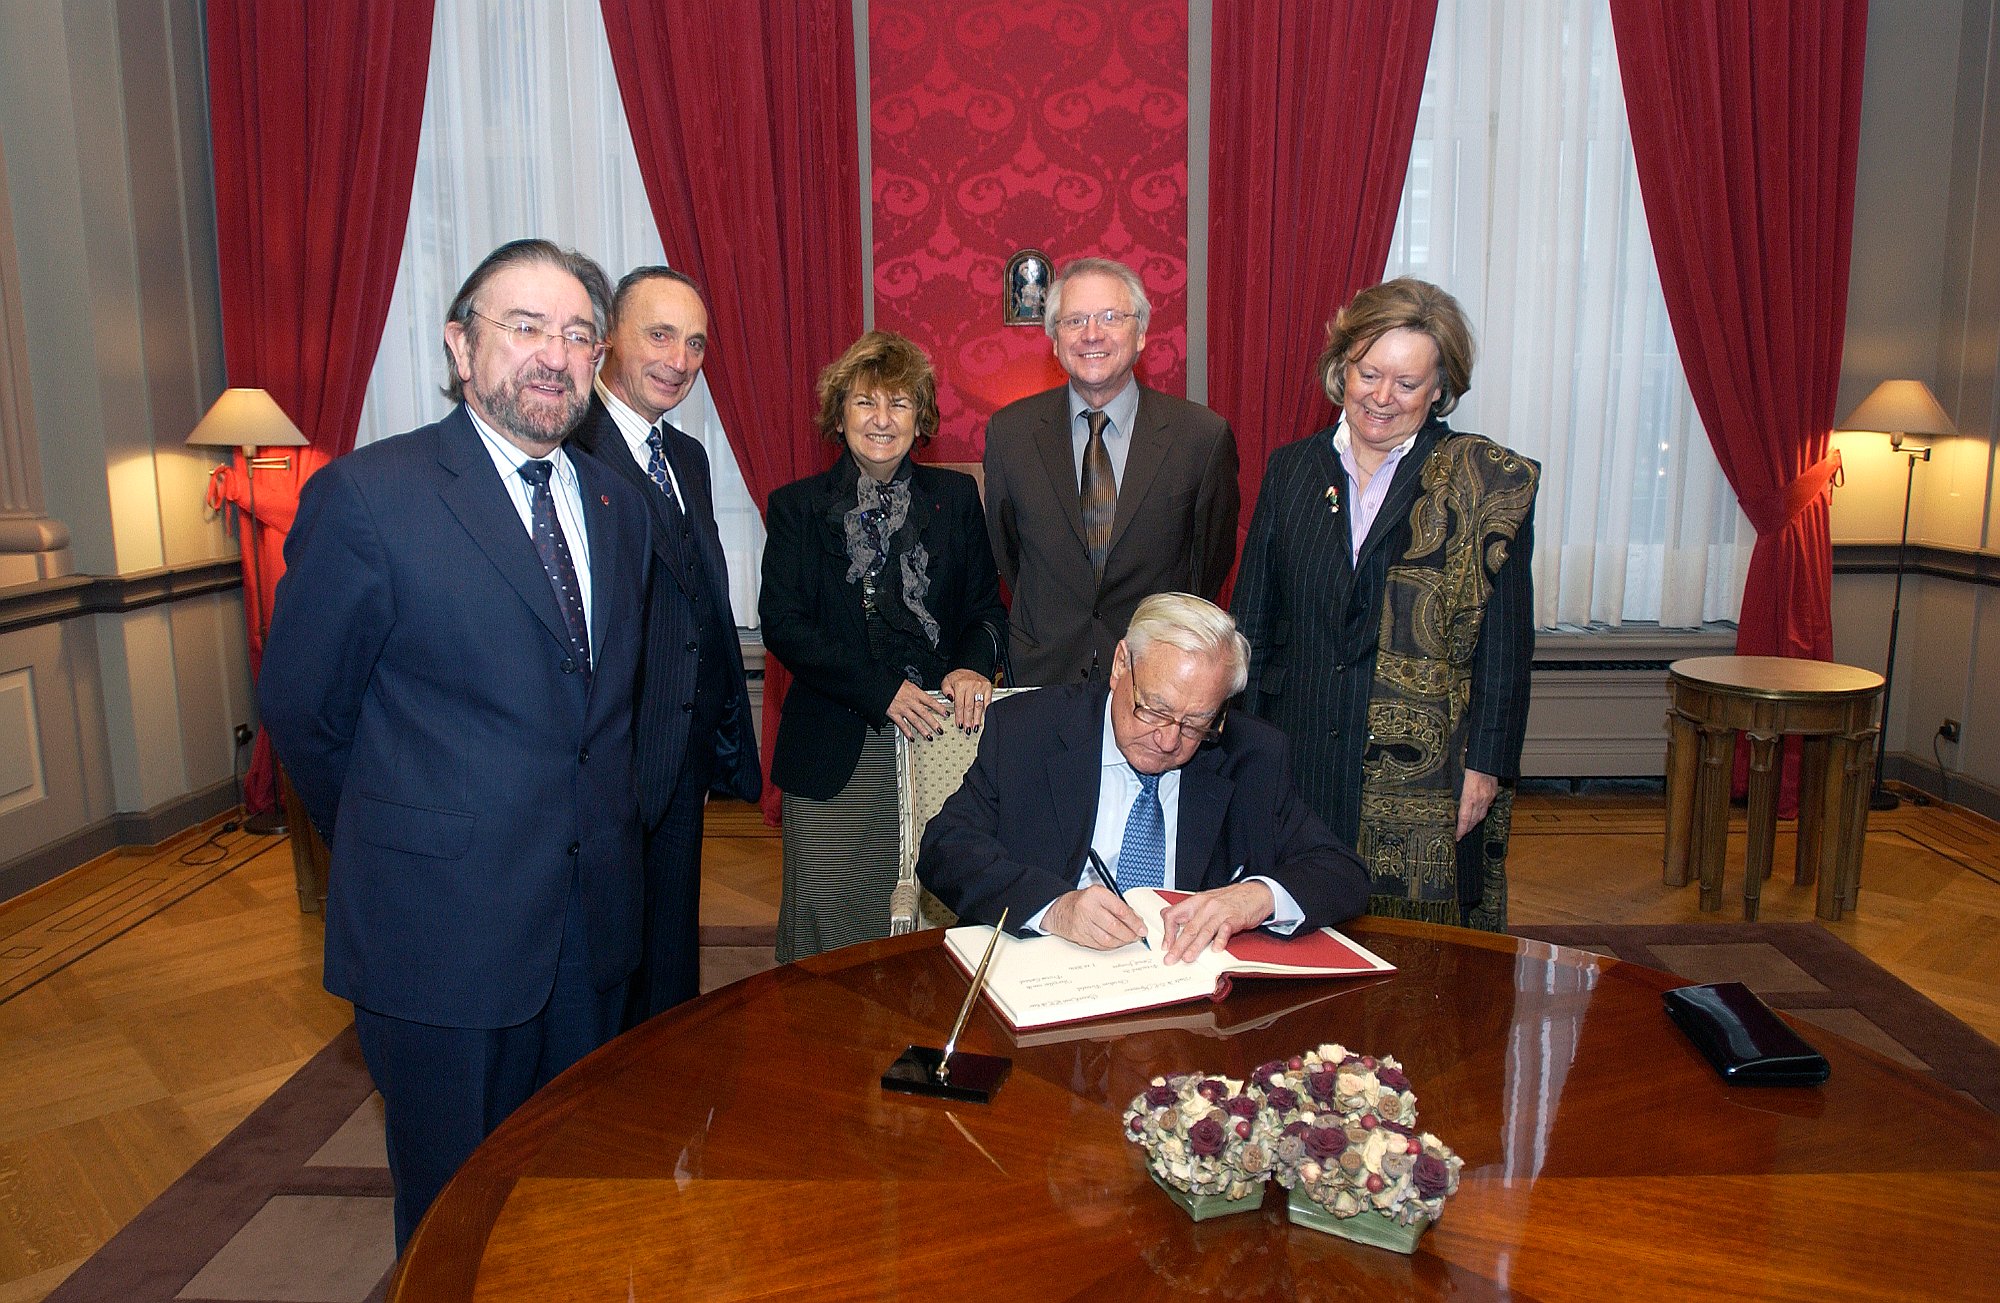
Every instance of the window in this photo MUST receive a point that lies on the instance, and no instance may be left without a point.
(1523, 200)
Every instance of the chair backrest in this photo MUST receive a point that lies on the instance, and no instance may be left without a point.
(977, 470)
(928, 771)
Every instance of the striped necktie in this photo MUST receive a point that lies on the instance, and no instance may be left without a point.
(1100, 493)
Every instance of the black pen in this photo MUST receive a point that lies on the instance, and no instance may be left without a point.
(1103, 875)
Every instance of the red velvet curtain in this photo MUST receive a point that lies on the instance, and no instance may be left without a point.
(743, 118)
(314, 110)
(1746, 120)
(1314, 103)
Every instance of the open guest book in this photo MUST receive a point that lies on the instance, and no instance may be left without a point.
(1243, 1012)
(1046, 981)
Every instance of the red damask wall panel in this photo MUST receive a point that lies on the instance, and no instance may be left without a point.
(997, 127)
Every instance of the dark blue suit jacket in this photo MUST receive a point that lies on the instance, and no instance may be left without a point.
(417, 686)
(1014, 834)
(687, 613)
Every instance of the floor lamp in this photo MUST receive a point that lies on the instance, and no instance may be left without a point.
(1897, 408)
(251, 419)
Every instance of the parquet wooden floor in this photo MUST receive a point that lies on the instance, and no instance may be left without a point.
(147, 1005)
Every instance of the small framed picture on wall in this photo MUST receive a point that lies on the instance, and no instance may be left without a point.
(1026, 288)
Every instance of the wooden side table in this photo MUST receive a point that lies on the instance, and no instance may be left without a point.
(1831, 708)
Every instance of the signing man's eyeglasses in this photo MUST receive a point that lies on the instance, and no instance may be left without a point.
(526, 334)
(1192, 730)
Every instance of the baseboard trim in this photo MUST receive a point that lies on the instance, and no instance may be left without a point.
(1924, 775)
(120, 831)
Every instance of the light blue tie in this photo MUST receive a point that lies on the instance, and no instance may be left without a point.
(1142, 856)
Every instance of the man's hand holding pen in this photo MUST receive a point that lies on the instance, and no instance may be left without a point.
(1096, 917)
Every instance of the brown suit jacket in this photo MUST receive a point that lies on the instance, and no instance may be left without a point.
(1175, 530)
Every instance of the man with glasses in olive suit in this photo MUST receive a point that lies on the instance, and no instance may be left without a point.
(1102, 492)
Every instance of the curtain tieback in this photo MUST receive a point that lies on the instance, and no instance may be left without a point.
(1801, 493)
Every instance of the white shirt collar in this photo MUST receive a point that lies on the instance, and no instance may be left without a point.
(633, 426)
(1343, 441)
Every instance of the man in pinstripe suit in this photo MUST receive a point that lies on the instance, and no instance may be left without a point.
(693, 720)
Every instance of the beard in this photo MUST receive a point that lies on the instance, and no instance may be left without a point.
(533, 421)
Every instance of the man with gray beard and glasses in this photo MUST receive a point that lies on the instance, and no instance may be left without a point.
(449, 681)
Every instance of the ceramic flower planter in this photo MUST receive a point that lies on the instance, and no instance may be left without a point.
(1201, 1207)
(1368, 1227)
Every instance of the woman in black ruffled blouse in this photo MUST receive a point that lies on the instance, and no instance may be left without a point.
(879, 589)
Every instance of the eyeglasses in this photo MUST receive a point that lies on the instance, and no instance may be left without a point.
(1110, 319)
(528, 335)
(1189, 729)
(1148, 717)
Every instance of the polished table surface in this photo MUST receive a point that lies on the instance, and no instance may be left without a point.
(740, 1147)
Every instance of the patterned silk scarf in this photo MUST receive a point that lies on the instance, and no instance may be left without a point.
(1475, 497)
(876, 529)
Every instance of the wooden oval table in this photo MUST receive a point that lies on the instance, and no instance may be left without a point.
(740, 1147)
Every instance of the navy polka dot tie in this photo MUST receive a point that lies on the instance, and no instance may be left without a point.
(554, 551)
(656, 468)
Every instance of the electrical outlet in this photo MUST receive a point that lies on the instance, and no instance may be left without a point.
(244, 735)
(1948, 730)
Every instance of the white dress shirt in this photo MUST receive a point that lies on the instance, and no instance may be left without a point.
(633, 426)
(563, 486)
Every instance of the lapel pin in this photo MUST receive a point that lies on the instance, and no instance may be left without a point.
(1333, 499)
(604, 498)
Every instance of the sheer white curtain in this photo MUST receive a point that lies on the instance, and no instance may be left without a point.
(524, 134)
(1523, 201)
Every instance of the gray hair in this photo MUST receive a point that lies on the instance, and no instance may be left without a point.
(1135, 289)
(520, 253)
(1195, 626)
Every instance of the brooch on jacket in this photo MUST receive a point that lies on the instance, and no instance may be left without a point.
(1333, 499)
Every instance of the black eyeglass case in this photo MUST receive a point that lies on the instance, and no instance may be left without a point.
(1746, 1042)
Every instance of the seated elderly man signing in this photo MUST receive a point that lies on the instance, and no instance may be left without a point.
(1146, 773)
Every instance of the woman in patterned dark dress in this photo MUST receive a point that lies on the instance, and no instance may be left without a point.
(1389, 604)
(879, 589)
